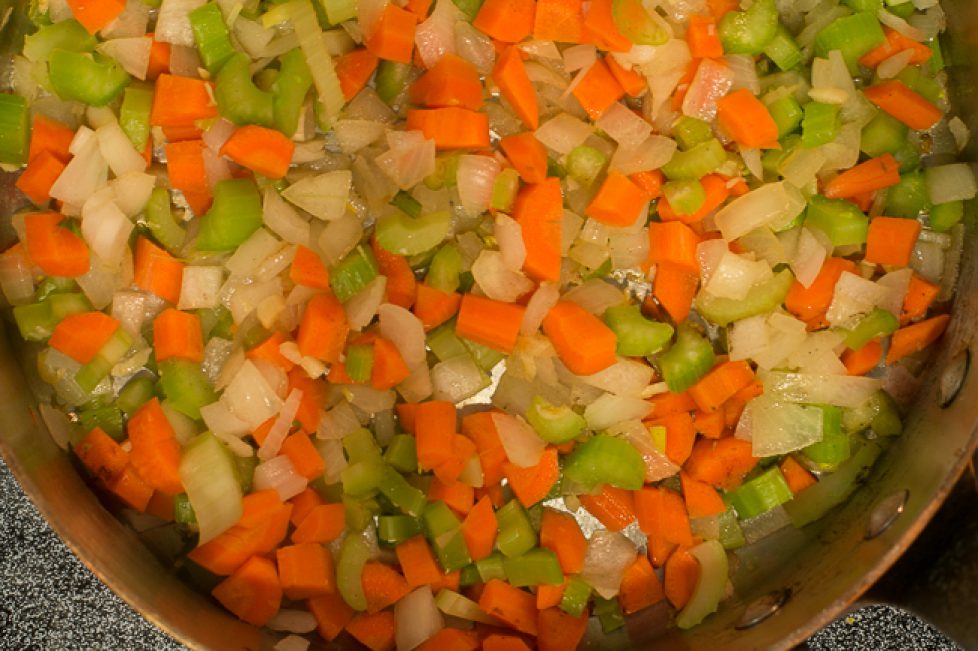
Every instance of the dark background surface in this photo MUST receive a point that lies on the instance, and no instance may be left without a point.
(50, 601)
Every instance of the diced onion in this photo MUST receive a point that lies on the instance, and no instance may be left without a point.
(734, 275)
(360, 309)
(338, 422)
(775, 427)
(455, 605)
(435, 37)
(609, 553)
(322, 195)
(132, 191)
(131, 53)
(84, 174)
(105, 228)
(610, 409)
(456, 379)
(509, 237)
(498, 281)
(808, 258)
(621, 124)
(544, 298)
(292, 643)
(201, 287)
(563, 132)
(595, 296)
(522, 444)
(626, 377)
(475, 177)
(280, 475)
(281, 426)
(211, 482)
(354, 135)
(409, 159)
(416, 619)
(405, 331)
(711, 82)
(898, 24)
(952, 182)
(250, 397)
(744, 72)
(220, 420)
(842, 391)
(853, 297)
(474, 46)
(654, 152)
(768, 204)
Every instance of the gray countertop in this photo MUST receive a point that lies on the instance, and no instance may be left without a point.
(50, 601)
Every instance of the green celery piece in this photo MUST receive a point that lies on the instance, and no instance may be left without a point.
(238, 98)
(444, 269)
(833, 449)
(185, 386)
(359, 362)
(491, 567)
(159, 219)
(395, 529)
(234, 215)
(15, 129)
(554, 424)
(407, 204)
(711, 584)
(879, 412)
(877, 323)
(787, 114)
(684, 197)
(216, 322)
(290, 89)
(535, 567)
(469, 576)
(35, 321)
(761, 299)
(919, 81)
(576, 595)
(353, 273)
(749, 32)
(469, 7)
(504, 190)
(908, 156)
(852, 35)
(391, 79)
(771, 159)
(445, 344)
(354, 554)
(63, 35)
(689, 359)
(93, 81)
(359, 512)
(339, 11)
(604, 459)
(584, 164)
(361, 445)
(832, 489)
(209, 478)
(183, 511)
(783, 50)
(689, 132)
(110, 354)
(936, 63)
(137, 392)
(841, 220)
(693, 164)
(609, 614)
(401, 494)
(445, 532)
(108, 418)
(831, 419)
(820, 124)
(945, 216)
(909, 197)
(137, 103)
(403, 235)
(362, 478)
(446, 168)
(439, 519)
(402, 454)
(903, 10)
(760, 494)
(638, 24)
(516, 534)
(883, 134)
(485, 358)
(54, 285)
(212, 37)
(637, 336)
(731, 535)
(872, 6)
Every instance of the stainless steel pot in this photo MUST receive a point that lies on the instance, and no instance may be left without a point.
(786, 586)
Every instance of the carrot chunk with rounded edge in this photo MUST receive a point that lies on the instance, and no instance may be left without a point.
(674, 288)
(181, 101)
(56, 250)
(920, 294)
(722, 463)
(560, 533)
(393, 36)
(132, 489)
(96, 14)
(324, 523)
(401, 283)
(674, 242)
(452, 81)
(155, 451)
(600, 27)
(382, 585)
(702, 37)
(702, 500)
(510, 76)
(178, 334)
(864, 360)
(305, 570)
(796, 476)
(480, 428)
(323, 328)
(598, 90)
(479, 529)
(559, 631)
(187, 172)
(808, 303)
(539, 209)
(896, 43)
(640, 586)
(354, 69)
(527, 155)
(36, 179)
(866, 177)
(303, 504)
(513, 606)
(389, 368)
(914, 338)
(682, 572)
(434, 431)
(613, 507)
(559, 20)
(618, 202)
(720, 384)
(508, 21)
(418, 562)
(633, 83)
(452, 127)
(433, 306)
(891, 240)
(104, 457)
(491, 323)
(80, 336)
(49, 135)
(303, 454)
(332, 614)
(262, 150)
(662, 514)
(583, 342)
(531, 485)
(375, 631)
(747, 120)
(905, 104)
(252, 592)
(157, 271)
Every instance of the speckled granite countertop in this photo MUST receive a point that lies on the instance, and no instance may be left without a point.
(49, 601)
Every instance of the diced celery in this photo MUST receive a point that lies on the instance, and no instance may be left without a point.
(485, 358)
(883, 134)
(731, 535)
(827, 454)
(604, 459)
(820, 124)
(840, 220)
(698, 161)
(401, 453)
(135, 394)
(391, 79)
(516, 535)
(401, 494)
(290, 89)
(338, 11)
(469, 7)
(945, 216)
(353, 273)
(208, 476)
(761, 299)
(108, 418)
(909, 197)
(14, 129)
(361, 478)
(760, 494)
(584, 164)
(359, 362)
(711, 584)
(354, 554)
(212, 37)
(535, 567)
(35, 321)
(787, 114)
(444, 531)
(137, 102)
(403, 235)
(609, 614)
(832, 489)
(237, 96)
(864, 5)
(185, 386)
(407, 204)
(183, 510)
(89, 375)
(159, 219)
(445, 268)
(234, 215)
(689, 359)
(689, 132)
(245, 469)
(783, 50)
(468, 576)
(491, 567)
(684, 197)
(919, 81)
(639, 25)
(877, 323)
(360, 445)
(395, 529)
(504, 190)
(637, 336)
(95, 81)
(554, 424)
(359, 512)
(879, 412)
(576, 595)
(749, 32)
(852, 35)
(63, 35)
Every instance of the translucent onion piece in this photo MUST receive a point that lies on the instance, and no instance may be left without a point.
(435, 37)
(354, 135)
(621, 124)
(405, 331)
(249, 396)
(842, 391)
(651, 154)
(409, 160)
(360, 309)
(475, 177)
(339, 238)
(609, 554)
(105, 228)
(610, 409)
(457, 378)
(280, 428)
(338, 422)
(509, 238)
(210, 479)
(522, 444)
(808, 258)
(292, 643)
(563, 132)
(252, 252)
(953, 182)
(768, 204)
(173, 22)
(712, 81)
(416, 619)
(84, 174)
(853, 297)
(544, 298)
(775, 427)
(595, 296)
(131, 53)
(626, 377)
(283, 219)
(474, 46)
(322, 195)
(200, 288)
(280, 475)
(220, 420)
(498, 281)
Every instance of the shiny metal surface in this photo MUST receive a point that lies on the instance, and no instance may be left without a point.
(825, 567)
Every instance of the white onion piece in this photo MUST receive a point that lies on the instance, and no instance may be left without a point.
(416, 619)
(768, 204)
(509, 237)
(409, 159)
(250, 397)
(333, 457)
(292, 643)
(831, 79)
(322, 195)
(283, 219)
(744, 73)
(897, 283)
(853, 297)
(474, 46)
(609, 553)
(16, 278)
(339, 238)
(475, 177)
(472, 474)
(360, 309)
(808, 258)
(354, 135)
(218, 133)
(894, 65)
(579, 56)
(131, 53)
(497, 280)
(775, 427)
(785, 335)
(610, 409)
(132, 191)
(456, 379)
(417, 386)
(220, 420)
(622, 125)
(338, 422)
(454, 604)
(663, 67)
(708, 255)
(626, 377)
(84, 174)
(405, 331)
(817, 355)
(280, 428)
(657, 465)
(280, 475)
(132, 22)
(842, 391)
(544, 298)
(201, 287)
(712, 81)
(105, 228)
(173, 22)
(752, 160)
(800, 167)
(953, 182)
(651, 154)
(563, 133)
(898, 24)
(252, 36)
(734, 275)
(522, 444)
(209, 477)
(435, 37)
(260, 245)
(596, 296)
(117, 150)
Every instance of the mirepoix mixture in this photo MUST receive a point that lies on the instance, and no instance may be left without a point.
(450, 325)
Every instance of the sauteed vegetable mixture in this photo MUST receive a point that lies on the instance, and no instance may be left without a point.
(453, 324)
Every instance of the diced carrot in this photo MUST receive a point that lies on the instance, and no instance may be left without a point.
(434, 306)
(406, 415)
(262, 150)
(682, 572)
(702, 37)
(303, 504)
(895, 44)
(722, 463)
(914, 338)
(715, 187)
(36, 179)
(132, 489)
(332, 614)
(539, 209)
(161, 505)
(480, 428)
(864, 360)
(559, 631)
(597, 91)
(434, 431)
(268, 350)
(508, 21)
(709, 424)
(511, 605)
(673, 242)
(488, 322)
(452, 81)
(53, 248)
(734, 407)
(601, 29)
(49, 135)
(905, 104)
(808, 303)
(389, 368)
(419, 8)
(155, 451)
(869, 176)
(679, 95)
(458, 496)
(354, 69)
(303, 454)
(613, 507)
(181, 101)
(479, 529)
(451, 639)
(382, 585)
(560, 533)
(662, 514)
(660, 550)
(559, 20)
(322, 524)
(583, 342)
(668, 403)
(313, 398)
(618, 202)
(178, 334)
(514, 84)
(401, 283)
(796, 476)
(393, 36)
(920, 295)
(890, 240)
(452, 127)
(633, 83)
(374, 631)
(527, 155)
(81, 336)
(499, 642)
(252, 592)
(323, 329)
(185, 166)
(417, 562)
(549, 596)
(680, 435)
(720, 384)
(96, 14)
(650, 181)
(674, 288)
(305, 570)
(640, 586)
(255, 534)
(532, 484)
(702, 500)
(102, 455)
(747, 120)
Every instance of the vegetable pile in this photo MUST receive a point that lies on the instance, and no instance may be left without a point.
(447, 325)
